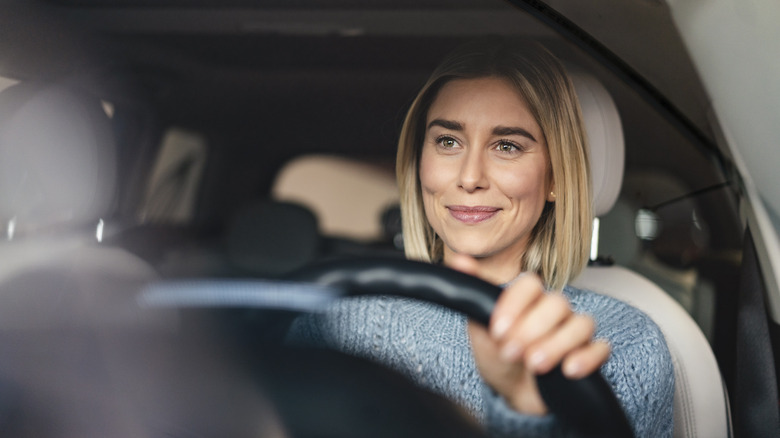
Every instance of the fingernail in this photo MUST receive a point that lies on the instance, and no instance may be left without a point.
(537, 360)
(511, 351)
(500, 327)
(572, 370)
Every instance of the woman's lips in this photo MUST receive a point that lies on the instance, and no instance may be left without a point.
(472, 215)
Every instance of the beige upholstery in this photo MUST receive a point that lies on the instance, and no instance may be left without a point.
(700, 408)
(57, 182)
(605, 138)
(700, 402)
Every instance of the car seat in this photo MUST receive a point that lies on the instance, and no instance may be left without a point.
(57, 184)
(272, 238)
(700, 400)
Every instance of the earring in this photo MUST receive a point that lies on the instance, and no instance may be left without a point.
(552, 194)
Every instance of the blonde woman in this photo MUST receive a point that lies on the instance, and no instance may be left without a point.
(493, 171)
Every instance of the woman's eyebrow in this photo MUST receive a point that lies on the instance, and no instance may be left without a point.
(498, 130)
(446, 124)
(507, 130)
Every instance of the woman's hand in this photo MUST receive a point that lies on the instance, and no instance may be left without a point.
(531, 331)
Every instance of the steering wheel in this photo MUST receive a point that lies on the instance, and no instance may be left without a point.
(588, 404)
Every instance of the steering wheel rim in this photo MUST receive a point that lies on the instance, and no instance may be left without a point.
(587, 404)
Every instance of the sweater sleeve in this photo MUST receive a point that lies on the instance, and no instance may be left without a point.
(504, 422)
(425, 342)
(430, 345)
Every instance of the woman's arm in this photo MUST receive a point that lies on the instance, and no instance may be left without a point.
(639, 370)
(531, 331)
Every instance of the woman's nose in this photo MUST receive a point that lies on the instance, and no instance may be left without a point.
(473, 175)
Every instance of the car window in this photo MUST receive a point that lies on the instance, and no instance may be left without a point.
(171, 190)
(302, 102)
(666, 242)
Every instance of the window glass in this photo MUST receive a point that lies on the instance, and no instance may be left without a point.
(664, 241)
(173, 184)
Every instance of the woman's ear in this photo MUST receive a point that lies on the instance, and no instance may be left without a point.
(550, 180)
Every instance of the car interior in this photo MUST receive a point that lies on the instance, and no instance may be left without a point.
(177, 141)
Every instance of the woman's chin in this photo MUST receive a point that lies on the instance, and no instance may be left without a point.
(478, 250)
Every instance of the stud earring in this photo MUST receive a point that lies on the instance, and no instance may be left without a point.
(552, 194)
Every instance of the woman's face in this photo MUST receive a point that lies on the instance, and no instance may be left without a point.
(484, 170)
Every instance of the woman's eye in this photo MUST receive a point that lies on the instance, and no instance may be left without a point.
(447, 142)
(506, 146)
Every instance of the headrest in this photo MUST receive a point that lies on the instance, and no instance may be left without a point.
(57, 157)
(329, 185)
(270, 238)
(605, 138)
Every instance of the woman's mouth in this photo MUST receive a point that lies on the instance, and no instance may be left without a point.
(472, 215)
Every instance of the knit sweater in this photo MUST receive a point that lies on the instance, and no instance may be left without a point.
(431, 346)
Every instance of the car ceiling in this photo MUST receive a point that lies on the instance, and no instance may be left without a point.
(343, 72)
(639, 32)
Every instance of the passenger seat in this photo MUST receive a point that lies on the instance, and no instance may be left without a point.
(700, 401)
(57, 188)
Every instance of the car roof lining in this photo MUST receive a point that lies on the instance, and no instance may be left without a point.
(656, 50)
(336, 93)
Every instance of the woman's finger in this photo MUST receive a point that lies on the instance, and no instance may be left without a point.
(585, 360)
(513, 303)
(539, 321)
(516, 384)
(463, 263)
(575, 332)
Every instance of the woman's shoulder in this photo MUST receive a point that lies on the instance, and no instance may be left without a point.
(629, 330)
(640, 367)
(614, 318)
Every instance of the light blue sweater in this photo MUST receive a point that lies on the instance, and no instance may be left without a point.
(430, 344)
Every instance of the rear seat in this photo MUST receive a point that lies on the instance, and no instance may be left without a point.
(269, 238)
(273, 238)
(263, 239)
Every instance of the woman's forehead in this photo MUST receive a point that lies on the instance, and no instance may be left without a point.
(481, 102)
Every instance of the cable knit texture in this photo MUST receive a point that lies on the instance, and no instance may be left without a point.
(430, 344)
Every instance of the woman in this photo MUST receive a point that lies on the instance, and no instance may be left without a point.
(493, 172)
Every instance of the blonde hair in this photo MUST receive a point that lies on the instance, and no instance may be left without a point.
(559, 244)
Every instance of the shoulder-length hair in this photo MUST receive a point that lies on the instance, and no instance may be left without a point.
(559, 245)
